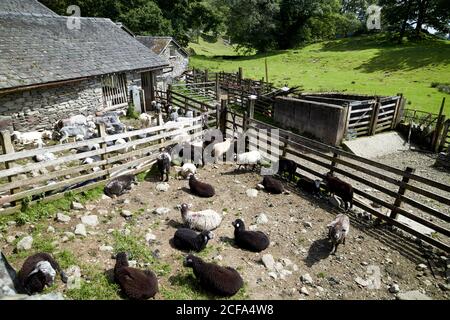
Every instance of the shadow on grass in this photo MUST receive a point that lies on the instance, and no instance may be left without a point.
(392, 56)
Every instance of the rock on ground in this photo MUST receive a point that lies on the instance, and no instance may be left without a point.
(268, 261)
(77, 206)
(91, 220)
(80, 230)
(60, 217)
(25, 244)
(252, 193)
(412, 295)
(163, 187)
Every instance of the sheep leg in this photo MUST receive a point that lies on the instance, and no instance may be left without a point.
(343, 241)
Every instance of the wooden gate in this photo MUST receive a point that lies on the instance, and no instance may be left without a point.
(114, 88)
(149, 89)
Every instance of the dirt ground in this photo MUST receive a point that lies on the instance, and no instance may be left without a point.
(297, 229)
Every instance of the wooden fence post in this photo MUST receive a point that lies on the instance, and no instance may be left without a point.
(240, 75)
(169, 94)
(217, 87)
(285, 147)
(206, 75)
(401, 191)
(223, 117)
(444, 135)
(7, 147)
(333, 162)
(101, 131)
(160, 122)
(374, 118)
(439, 126)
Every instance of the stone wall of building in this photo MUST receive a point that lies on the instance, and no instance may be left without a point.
(38, 109)
(179, 62)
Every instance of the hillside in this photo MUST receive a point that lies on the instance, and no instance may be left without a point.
(368, 65)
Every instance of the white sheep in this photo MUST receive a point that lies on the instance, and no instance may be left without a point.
(27, 138)
(181, 138)
(221, 148)
(124, 150)
(187, 169)
(146, 120)
(205, 220)
(45, 157)
(249, 158)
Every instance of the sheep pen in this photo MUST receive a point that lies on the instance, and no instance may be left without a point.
(296, 224)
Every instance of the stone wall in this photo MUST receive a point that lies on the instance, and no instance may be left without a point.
(321, 121)
(41, 108)
(178, 62)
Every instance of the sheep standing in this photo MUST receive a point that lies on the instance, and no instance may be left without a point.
(187, 239)
(119, 185)
(340, 188)
(135, 284)
(146, 120)
(38, 271)
(163, 163)
(221, 281)
(272, 185)
(252, 158)
(338, 230)
(206, 220)
(26, 138)
(219, 149)
(287, 166)
(255, 241)
(72, 132)
(201, 189)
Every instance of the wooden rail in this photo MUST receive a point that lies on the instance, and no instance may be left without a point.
(131, 157)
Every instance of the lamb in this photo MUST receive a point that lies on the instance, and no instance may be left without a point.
(146, 120)
(72, 131)
(201, 189)
(219, 149)
(163, 162)
(174, 116)
(287, 166)
(119, 185)
(338, 230)
(340, 188)
(135, 284)
(187, 239)
(272, 185)
(187, 169)
(252, 158)
(38, 271)
(206, 220)
(27, 138)
(309, 186)
(255, 241)
(181, 138)
(78, 120)
(123, 141)
(221, 281)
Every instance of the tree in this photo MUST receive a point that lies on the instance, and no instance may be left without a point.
(253, 23)
(147, 19)
(414, 15)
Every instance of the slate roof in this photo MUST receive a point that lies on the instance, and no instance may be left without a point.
(28, 6)
(40, 49)
(158, 44)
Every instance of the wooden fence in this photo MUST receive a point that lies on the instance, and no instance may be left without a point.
(398, 192)
(445, 140)
(135, 156)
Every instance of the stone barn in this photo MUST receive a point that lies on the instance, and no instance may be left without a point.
(51, 69)
(168, 49)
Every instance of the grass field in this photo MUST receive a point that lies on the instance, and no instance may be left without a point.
(368, 65)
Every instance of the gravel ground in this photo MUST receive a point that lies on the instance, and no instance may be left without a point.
(296, 226)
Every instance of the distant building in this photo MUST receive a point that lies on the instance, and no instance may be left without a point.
(168, 49)
(49, 71)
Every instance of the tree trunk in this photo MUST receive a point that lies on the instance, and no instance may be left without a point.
(423, 6)
(405, 22)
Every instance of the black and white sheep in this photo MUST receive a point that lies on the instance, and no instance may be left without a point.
(272, 185)
(38, 271)
(287, 166)
(187, 239)
(340, 188)
(135, 284)
(255, 241)
(309, 186)
(163, 163)
(119, 185)
(338, 230)
(201, 189)
(221, 281)
(187, 170)
(206, 220)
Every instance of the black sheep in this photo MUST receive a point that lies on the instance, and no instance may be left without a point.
(119, 185)
(221, 281)
(255, 241)
(272, 185)
(287, 166)
(201, 189)
(38, 271)
(187, 239)
(309, 186)
(340, 188)
(163, 161)
(135, 284)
